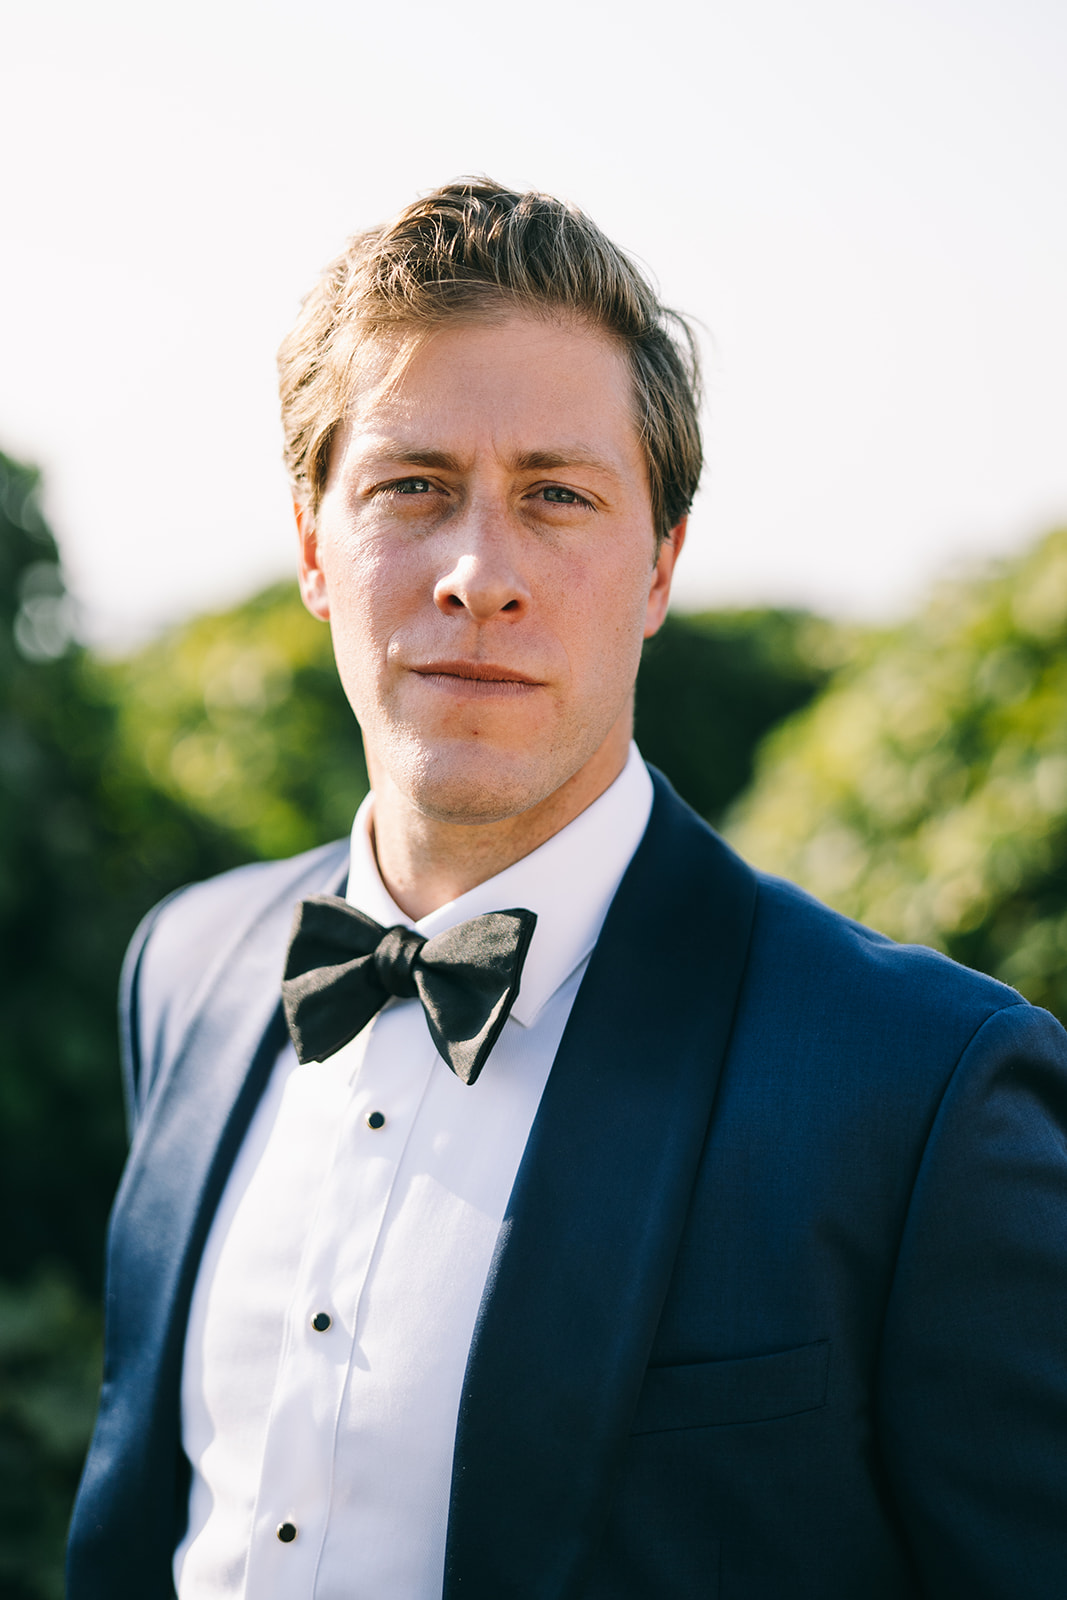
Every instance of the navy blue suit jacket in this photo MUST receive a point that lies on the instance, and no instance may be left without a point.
(779, 1309)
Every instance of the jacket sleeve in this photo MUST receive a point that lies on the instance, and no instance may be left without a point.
(972, 1384)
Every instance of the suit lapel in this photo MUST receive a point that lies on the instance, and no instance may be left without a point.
(588, 1245)
(183, 1153)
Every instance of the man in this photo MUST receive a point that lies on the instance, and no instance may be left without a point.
(648, 1230)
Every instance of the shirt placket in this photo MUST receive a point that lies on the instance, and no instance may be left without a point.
(390, 1067)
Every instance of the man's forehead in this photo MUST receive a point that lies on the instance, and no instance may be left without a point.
(542, 393)
(390, 371)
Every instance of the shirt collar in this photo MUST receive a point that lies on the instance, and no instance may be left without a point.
(569, 881)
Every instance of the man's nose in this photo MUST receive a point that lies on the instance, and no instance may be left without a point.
(484, 579)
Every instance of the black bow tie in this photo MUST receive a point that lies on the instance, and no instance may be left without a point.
(343, 966)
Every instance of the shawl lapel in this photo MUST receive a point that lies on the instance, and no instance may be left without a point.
(193, 1126)
(587, 1248)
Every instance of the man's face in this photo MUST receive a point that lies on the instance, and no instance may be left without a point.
(484, 551)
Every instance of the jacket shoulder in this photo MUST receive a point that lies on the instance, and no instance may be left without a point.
(180, 944)
(804, 933)
(814, 962)
(857, 1006)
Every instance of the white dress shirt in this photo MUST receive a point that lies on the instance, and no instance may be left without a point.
(381, 1237)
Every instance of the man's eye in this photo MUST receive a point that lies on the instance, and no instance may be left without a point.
(411, 486)
(561, 496)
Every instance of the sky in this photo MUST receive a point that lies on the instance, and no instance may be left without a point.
(862, 203)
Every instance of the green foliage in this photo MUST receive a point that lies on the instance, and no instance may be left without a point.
(49, 1376)
(925, 793)
(87, 844)
(712, 684)
(239, 717)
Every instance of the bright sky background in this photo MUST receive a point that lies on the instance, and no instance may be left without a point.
(864, 202)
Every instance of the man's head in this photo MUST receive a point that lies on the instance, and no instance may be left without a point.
(491, 427)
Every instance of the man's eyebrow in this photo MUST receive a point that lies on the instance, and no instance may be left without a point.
(551, 460)
(410, 455)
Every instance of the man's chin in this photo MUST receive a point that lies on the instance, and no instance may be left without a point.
(476, 788)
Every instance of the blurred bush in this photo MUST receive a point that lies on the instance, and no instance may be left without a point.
(925, 792)
(713, 683)
(49, 1376)
(239, 717)
(87, 843)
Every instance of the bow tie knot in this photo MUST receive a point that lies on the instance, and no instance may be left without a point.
(394, 957)
(342, 967)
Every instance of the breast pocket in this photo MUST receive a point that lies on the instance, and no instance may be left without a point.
(714, 1394)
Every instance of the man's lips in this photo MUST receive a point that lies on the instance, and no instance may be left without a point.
(478, 678)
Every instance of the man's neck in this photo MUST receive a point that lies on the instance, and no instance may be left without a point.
(425, 863)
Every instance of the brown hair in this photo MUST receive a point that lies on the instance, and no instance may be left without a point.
(460, 251)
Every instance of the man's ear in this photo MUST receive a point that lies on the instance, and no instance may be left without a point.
(660, 592)
(312, 578)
